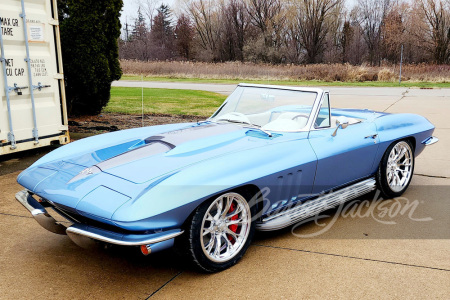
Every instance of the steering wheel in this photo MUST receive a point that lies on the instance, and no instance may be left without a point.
(299, 116)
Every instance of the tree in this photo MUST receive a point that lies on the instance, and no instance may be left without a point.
(371, 14)
(392, 35)
(345, 40)
(314, 18)
(436, 14)
(89, 33)
(206, 18)
(184, 33)
(140, 28)
(162, 34)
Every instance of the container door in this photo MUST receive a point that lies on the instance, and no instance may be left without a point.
(44, 71)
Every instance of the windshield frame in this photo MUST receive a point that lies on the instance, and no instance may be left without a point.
(312, 116)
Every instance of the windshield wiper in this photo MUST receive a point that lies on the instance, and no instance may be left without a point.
(254, 126)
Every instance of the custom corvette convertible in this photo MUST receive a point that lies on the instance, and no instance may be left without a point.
(268, 158)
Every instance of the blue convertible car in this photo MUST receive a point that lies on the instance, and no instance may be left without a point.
(269, 157)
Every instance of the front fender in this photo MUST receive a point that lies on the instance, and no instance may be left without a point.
(170, 200)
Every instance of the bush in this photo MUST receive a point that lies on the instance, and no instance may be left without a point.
(89, 33)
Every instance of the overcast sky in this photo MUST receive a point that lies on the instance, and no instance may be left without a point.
(130, 8)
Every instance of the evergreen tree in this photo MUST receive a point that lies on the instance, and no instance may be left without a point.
(139, 29)
(162, 33)
(89, 33)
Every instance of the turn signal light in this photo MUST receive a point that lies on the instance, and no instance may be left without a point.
(146, 250)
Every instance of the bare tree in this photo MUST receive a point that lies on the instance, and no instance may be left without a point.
(393, 33)
(370, 15)
(268, 17)
(236, 23)
(345, 40)
(436, 35)
(314, 20)
(149, 8)
(206, 18)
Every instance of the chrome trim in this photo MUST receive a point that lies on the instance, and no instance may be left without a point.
(78, 230)
(313, 207)
(430, 141)
(39, 213)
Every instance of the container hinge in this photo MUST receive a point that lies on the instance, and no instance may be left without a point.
(35, 136)
(39, 86)
(17, 89)
(53, 22)
(12, 139)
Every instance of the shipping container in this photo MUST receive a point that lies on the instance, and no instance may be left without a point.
(33, 109)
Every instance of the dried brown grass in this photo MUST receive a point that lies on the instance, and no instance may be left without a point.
(252, 71)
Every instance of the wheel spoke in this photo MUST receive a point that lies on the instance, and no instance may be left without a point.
(239, 221)
(207, 231)
(218, 245)
(210, 245)
(236, 212)
(401, 155)
(233, 234)
(397, 179)
(227, 207)
(228, 244)
(209, 217)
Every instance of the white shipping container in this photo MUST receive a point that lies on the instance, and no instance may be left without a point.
(32, 97)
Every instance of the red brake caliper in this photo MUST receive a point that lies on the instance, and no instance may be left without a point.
(233, 227)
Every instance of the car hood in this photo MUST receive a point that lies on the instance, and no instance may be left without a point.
(154, 156)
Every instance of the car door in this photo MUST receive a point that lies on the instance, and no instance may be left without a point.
(345, 157)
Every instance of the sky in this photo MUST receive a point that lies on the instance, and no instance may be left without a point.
(130, 8)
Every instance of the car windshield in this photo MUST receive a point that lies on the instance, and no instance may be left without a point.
(267, 108)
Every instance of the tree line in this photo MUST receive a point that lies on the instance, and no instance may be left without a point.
(290, 31)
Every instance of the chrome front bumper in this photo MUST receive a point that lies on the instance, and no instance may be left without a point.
(85, 236)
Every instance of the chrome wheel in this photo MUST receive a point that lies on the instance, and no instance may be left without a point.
(225, 227)
(399, 166)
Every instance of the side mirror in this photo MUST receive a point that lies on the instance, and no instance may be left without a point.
(340, 122)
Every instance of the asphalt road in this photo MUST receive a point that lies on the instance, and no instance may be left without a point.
(359, 256)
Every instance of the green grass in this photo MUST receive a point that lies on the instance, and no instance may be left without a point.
(293, 82)
(163, 101)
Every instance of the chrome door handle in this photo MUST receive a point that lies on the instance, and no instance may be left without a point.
(373, 136)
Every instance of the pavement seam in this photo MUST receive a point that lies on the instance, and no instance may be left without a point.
(11, 215)
(354, 257)
(161, 287)
(433, 176)
(403, 96)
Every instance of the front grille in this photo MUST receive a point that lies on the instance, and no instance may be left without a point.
(75, 217)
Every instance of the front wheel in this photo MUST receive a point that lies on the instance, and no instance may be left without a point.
(396, 169)
(220, 232)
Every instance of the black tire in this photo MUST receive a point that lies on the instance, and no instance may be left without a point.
(392, 190)
(195, 239)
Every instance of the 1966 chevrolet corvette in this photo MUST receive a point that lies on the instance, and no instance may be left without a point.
(269, 157)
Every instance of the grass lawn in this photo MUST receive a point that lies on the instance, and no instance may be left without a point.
(293, 82)
(163, 101)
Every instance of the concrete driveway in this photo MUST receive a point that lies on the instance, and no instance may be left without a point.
(359, 256)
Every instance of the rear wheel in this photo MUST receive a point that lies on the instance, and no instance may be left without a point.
(396, 169)
(220, 232)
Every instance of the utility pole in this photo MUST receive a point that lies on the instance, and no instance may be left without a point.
(401, 62)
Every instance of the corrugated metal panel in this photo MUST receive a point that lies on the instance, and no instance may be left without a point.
(50, 115)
